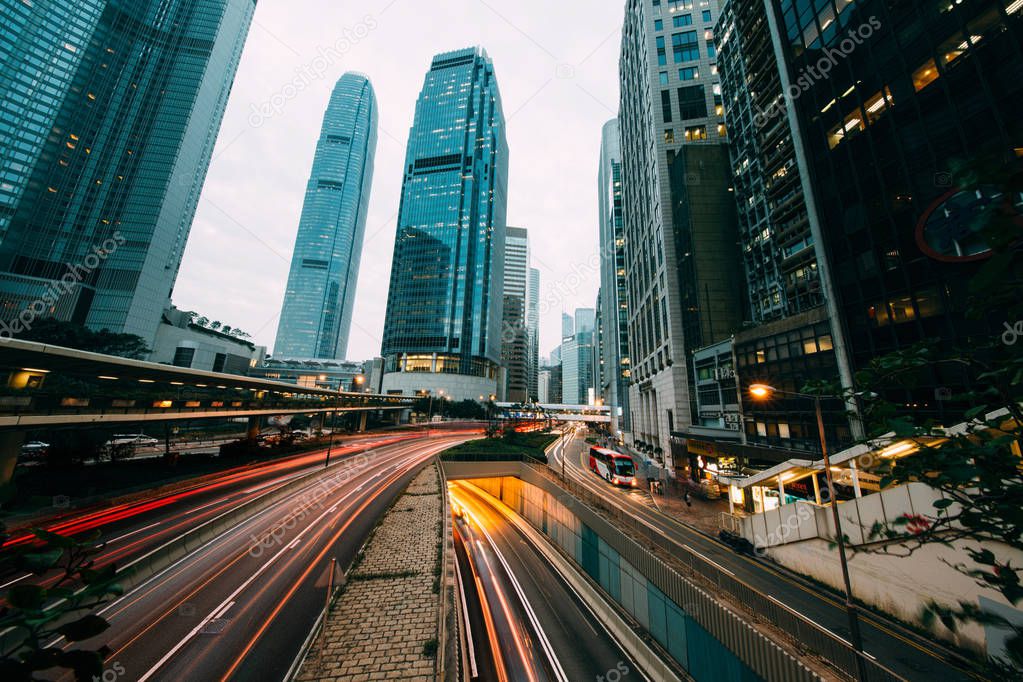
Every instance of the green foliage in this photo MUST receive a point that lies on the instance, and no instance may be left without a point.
(35, 615)
(72, 335)
(978, 472)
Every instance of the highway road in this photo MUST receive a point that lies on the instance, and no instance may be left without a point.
(900, 650)
(242, 606)
(526, 623)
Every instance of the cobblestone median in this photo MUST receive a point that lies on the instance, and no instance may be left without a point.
(384, 626)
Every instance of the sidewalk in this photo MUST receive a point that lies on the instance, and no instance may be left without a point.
(700, 513)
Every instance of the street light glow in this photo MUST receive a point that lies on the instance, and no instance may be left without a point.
(761, 391)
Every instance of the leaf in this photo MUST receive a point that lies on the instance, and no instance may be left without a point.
(51, 538)
(26, 597)
(975, 412)
(943, 503)
(83, 628)
(993, 272)
(41, 562)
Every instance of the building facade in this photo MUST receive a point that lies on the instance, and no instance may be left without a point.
(533, 329)
(899, 104)
(577, 385)
(442, 329)
(515, 336)
(788, 338)
(316, 315)
(614, 304)
(110, 110)
(670, 105)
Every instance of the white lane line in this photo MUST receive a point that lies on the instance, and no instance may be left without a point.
(545, 643)
(189, 636)
(708, 560)
(468, 628)
(121, 537)
(27, 575)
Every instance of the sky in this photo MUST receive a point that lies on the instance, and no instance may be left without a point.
(557, 69)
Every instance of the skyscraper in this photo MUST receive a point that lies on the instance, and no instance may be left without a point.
(533, 327)
(785, 281)
(577, 359)
(898, 105)
(442, 330)
(109, 110)
(316, 316)
(614, 310)
(679, 235)
(515, 329)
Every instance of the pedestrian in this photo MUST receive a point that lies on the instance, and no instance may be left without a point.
(685, 497)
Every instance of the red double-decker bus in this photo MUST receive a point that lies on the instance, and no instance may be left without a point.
(613, 467)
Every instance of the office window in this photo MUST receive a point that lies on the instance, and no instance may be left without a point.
(666, 105)
(658, 25)
(685, 46)
(662, 58)
(669, 135)
(680, 21)
(696, 133)
(663, 77)
(691, 73)
(706, 16)
(692, 102)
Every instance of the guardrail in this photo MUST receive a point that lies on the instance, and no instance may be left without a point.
(803, 634)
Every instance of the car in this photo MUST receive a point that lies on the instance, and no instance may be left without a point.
(132, 439)
(35, 450)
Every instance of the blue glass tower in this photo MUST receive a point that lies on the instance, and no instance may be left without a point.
(442, 331)
(109, 110)
(317, 313)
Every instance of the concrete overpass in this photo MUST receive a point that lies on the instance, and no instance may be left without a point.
(50, 386)
(567, 413)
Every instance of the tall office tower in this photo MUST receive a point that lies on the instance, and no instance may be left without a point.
(109, 110)
(577, 359)
(316, 315)
(783, 282)
(533, 327)
(598, 350)
(677, 209)
(567, 326)
(614, 306)
(442, 330)
(893, 99)
(515, 328)
(543, 386)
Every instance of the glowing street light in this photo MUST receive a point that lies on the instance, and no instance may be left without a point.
(764, 392)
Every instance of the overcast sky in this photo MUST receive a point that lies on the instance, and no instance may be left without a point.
(556, 65)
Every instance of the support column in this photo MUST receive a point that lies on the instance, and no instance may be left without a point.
(253, 428)
(10, 449)
(781, 491)
(854, 470)
(816, 488)
(363, 418)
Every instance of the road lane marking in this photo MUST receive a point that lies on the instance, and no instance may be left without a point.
(121, 537)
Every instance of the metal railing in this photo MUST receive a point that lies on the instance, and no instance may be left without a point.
(803, 634)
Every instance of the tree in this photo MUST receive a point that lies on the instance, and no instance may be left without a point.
(74, 335)
(32, 615)
(978, 471)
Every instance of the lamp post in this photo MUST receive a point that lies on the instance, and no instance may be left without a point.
(764, 392)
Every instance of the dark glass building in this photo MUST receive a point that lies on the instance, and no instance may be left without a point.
(442, 330)
(316, 316)
(890, 99)
(109, 111)
(615, 366)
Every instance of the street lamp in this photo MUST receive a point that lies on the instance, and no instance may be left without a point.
(765, 392)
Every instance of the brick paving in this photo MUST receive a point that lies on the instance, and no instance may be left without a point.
(389, 611)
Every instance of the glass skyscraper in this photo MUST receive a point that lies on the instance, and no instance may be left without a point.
(442, 330)
(515, 337)
(109, 111)
(613, 384)
(317, 313)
